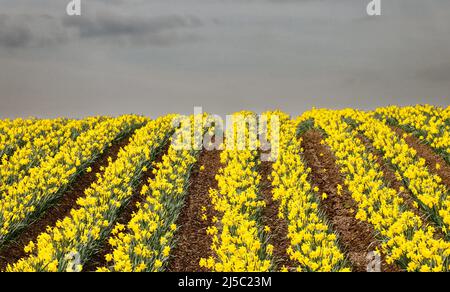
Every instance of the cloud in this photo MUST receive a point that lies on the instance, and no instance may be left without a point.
(22, 31)
(15, 36)
(256, 54)
(30, 31)
(161, 30)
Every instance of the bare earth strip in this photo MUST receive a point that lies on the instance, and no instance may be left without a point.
(193, 242)
(278, 226)
(431, 158)
(357, 238)
(392, 181)
(99, 260)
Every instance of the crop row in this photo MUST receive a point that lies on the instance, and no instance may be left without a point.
(41, 159)
(406, 239)
(239, 241)
(145, 242)
(428, 123)
(73, 240)
(27, 199)
(426, 187)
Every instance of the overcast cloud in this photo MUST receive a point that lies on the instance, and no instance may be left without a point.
(158, 56)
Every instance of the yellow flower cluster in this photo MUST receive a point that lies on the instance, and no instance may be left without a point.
(406, 238)
(239, 242)
(16, 167)
(25, 200)
(15, 134)
(427, 188)
(8, 128)
(88, 225)
(145, 243)
(426, 122)
(446, 115)
(313, 244)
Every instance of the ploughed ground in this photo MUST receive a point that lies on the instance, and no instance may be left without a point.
(193, 243)
(278, 226)
(99, 258)
(14, 251)
(392, 182)
(431, 157)
(357, 238)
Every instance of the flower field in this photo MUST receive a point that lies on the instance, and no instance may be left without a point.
(344, 190)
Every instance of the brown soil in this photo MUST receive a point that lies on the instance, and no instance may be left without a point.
(356, 237)
(98, 259)
(392, 182)
(278, 226)
(193, 243)
(15, 249)
(431, 158)
(389, 176)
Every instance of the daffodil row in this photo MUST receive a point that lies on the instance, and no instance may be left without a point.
(406, 239)
(16, 167)
(427, 188)
(72, 241)
(9, 129)
(239, 240)
(446, 115)
(24, 201)
(313, 245)
(426, 122)
(144, 244)
(19, 132)
(5, 124)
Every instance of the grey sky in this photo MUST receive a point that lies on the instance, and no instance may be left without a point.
(158, 56)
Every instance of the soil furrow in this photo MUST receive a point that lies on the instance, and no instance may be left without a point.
(193, 242)
(14, 251)
(99, 260)
(357, 238)
(392, 182)
(435, 163)
(278, 226)
(390, 177)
